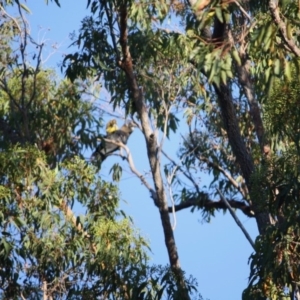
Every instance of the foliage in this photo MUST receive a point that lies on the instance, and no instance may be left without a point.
(22, 5)
(44, 244)
(283, 103)
(62, 121)
(228, 69)
(275, 264)
(226, 74)
(47, 249)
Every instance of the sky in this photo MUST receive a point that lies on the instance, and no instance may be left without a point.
(215, 253)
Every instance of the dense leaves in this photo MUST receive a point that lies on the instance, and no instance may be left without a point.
(62, 233)
(225, 75)
(45, 243)
(228, 68)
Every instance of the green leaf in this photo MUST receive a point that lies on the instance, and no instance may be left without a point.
(229, 73)
(18, 222)
(219, 14)
(277, 67)
(236, 56)
(223, 77)
(227, 16)
(56, 1)
(213, 70)
(288, 71)
(116, 172)
(25, 8)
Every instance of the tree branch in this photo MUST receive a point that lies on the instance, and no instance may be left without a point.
(111, 27)
(273, 6)
(72, 218)
(134, 170)
(245, 81)
(202, 201)
(231, 124)
(242, 10)
(224, 172)
(238, 222)
(137, 95)
(186, 174)
(10, 17)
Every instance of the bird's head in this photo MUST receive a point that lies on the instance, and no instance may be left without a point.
(111, 126)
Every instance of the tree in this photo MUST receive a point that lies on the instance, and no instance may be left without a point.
(220, 67)
(46, 250)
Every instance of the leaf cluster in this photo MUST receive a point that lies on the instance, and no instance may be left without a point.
(46, 113)
(46, 246)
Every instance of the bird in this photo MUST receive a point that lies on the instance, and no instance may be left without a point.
(118, 136)
(111, 126)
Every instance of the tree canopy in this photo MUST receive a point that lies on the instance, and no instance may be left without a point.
(47, 249)
(229, 71)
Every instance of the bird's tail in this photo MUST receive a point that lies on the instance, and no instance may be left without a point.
(98, 157)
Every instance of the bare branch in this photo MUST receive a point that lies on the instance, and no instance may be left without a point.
(111, 27)
(246, 82)
(151, 141)
(273, 6)
(71, 217)
(10, 17)
(186, 174)
(167, 113)
(247, 85)
(23, 55)
(202, 201)
(242, 10)
(36, 71)
(235, 138)
(133, 169)
(169, 182)
(224, 172)
(44, 289)
(139, 175)
(22, 297)
(238, 222)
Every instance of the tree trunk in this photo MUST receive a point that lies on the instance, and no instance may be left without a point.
(236, 141)
(151, 142)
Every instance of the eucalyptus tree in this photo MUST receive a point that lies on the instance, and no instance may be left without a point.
(219, 65)
(47, 249)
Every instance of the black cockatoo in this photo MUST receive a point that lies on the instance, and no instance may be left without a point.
(120, 136)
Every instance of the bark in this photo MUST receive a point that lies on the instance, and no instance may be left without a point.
(235, 138)
(151, 142)
(246, 83)
(232, 128)
(274, 9)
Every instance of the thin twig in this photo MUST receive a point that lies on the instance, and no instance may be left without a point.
(242, 10)
(111, 28)
(23, 55)
(224, 172)
(139, 175)
(236, 219)
(23, 298)
(188, 176)
(10, 17)
(36, 71)
(169, 182)
(133, 169)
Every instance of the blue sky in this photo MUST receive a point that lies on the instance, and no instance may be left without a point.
(215, 253)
